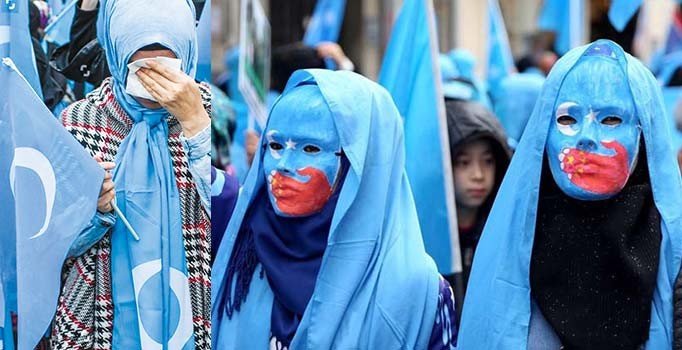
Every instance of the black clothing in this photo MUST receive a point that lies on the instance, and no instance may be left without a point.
(82, 59)
(595, 263)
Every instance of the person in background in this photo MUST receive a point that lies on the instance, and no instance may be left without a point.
(223, 125)
(480, 157)
(82, 58)
(52, 82)
(324, 248)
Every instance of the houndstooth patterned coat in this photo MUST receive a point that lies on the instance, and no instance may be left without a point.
(84, 317)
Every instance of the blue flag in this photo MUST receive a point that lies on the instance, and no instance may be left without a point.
(621, 11)
(411, 73)
(15, 40)
(204, 37)
(500, 59)
(566, 18)
(59, 29)
(49, 188)
(325, 24)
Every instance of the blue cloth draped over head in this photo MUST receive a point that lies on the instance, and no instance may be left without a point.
(497, 308)
(149, 276)
(514, 102)
(125, 26)
(377, 288)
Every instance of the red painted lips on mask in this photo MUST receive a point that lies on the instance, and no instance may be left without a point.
(597, 173)
(297, 198)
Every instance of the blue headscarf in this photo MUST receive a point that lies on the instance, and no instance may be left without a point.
(149, 276)
(497, 308)
(514, 101)
(376, 288)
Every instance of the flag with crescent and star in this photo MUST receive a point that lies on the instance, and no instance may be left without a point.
(49, 188)
(410, 71)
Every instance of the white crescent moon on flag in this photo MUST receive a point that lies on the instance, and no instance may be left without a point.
(180, 287)
(31, 158)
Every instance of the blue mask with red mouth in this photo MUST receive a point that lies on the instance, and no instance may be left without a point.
(594, 140)
(302, 154)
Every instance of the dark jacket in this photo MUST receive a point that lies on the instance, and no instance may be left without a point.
(82, 59)
(468, 121)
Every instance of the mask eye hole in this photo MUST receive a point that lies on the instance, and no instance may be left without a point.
(566, 120)
(275, 146)
(611, 120)
(311, 149)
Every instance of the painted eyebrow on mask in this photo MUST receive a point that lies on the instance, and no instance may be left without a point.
(564, 108)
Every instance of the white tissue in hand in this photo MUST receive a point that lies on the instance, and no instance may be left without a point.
(133, 85)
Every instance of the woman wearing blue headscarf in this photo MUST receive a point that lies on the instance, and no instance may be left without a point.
(583, 244)
(139, 279)
(324, 248)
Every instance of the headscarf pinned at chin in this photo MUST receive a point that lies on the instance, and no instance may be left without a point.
(126, 26)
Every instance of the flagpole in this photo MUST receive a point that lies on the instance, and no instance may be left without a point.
(448, 181)
(125, 221)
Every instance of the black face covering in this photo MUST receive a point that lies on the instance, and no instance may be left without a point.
(594, 264)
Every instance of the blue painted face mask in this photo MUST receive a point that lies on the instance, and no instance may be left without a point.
(302, 157)
(593, 140)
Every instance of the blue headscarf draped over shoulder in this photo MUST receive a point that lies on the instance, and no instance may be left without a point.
(376, 288)
(497, 308)
(150, 288)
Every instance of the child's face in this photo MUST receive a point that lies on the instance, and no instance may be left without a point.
(474, 173)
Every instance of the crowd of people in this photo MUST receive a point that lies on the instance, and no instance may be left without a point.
(209, 233)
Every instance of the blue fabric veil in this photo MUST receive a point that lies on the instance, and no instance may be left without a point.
(497, 308)
(377, 288)
(149, 276)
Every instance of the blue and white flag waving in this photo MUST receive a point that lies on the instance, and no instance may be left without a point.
(500, 59)
(49, 188)
(59, 29)
(411, 73)
(325, 24)
(566, 18)
(15, 40)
